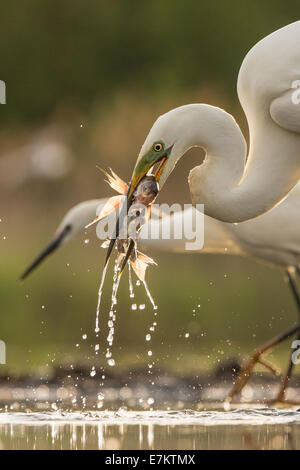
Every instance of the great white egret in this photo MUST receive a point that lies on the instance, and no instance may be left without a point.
(272, 238)
(72, 223)
(231, 189)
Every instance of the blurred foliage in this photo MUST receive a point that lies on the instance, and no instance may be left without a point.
(102, 72)
(81, 53)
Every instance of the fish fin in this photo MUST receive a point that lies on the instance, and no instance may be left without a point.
(109, 207)
(140, 265)
(115, 181)
(146, 259)
(119, 182)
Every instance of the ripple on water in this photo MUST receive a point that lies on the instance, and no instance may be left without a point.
(245, 416)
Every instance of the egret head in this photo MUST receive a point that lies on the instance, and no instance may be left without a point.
(170, 137)
(164, 145)
(72, 224)
(157, 154)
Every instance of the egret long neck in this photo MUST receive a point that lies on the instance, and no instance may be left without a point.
(230, 190)
(272, 169)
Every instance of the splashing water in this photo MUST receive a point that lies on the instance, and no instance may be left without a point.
(148, 336)
(97, 329)
(112, 314)
(131, 292)
(149, 295)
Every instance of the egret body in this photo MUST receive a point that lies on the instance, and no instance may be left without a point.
(232, 186)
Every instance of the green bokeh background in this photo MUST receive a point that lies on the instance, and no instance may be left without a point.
(112, 68)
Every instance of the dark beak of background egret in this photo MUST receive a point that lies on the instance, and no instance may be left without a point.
(53, 245)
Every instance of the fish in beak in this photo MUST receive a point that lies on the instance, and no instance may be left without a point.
(158, 154)
(138, 213)
(146, 163)
(53, 245)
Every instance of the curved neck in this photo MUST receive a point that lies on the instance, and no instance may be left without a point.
(230, 190)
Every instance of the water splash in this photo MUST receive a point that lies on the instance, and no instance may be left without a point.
(149, 295)
(112, 314)
(97, 329)
(131, 292)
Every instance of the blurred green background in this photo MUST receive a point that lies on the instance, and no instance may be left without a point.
(85, 81)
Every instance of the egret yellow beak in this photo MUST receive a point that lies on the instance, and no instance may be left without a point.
(145, 164)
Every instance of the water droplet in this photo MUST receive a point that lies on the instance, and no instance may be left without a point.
(133, 307)
(84, 336)
(111, 362)
(148, 337)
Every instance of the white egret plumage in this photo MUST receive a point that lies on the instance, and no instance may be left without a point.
(272, 238)
(234, 188)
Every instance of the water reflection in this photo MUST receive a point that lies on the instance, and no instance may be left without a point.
(239, 429)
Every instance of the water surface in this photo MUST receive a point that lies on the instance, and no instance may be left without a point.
(243, 428)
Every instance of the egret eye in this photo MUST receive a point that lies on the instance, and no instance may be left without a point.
(157, 147)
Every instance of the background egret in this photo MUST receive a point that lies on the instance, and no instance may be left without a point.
(272, 238)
